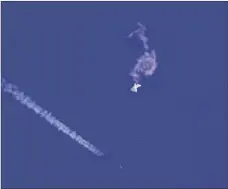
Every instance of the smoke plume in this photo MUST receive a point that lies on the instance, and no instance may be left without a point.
(146, 63)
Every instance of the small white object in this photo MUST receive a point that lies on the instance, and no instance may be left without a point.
(135, 87)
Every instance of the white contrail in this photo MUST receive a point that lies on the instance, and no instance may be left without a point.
(30, 104)
(146, 63)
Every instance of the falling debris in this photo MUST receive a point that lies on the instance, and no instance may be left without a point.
(135, 87)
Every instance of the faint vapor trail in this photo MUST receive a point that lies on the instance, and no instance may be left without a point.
(30, 104)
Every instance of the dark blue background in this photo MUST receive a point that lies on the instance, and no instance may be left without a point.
(73, 59)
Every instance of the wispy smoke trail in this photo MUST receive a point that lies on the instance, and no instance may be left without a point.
(146, 63)
(30, 104)
(140, 33)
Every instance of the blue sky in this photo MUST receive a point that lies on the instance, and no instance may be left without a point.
(74, 58)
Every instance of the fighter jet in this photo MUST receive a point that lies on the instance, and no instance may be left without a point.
(135, 87)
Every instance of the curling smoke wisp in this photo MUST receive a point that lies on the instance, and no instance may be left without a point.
(31, 104)
(146, 63)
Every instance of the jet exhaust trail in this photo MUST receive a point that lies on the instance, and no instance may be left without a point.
(146, 63)
(31, 104)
